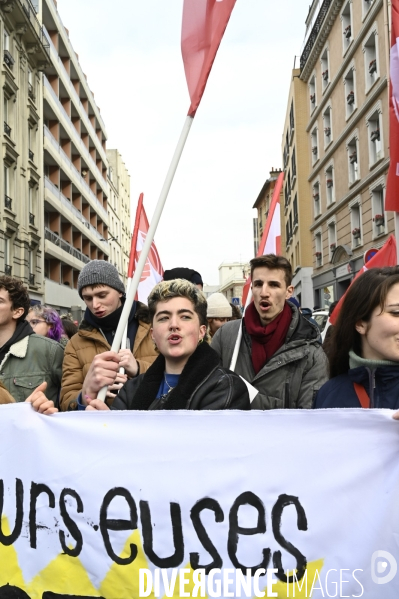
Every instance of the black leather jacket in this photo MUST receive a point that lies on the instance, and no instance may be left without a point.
(203, 385)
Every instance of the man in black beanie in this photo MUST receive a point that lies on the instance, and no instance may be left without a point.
(88, 363)
(184, 273)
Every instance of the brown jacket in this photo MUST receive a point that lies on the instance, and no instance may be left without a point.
(5, 396)
(86, 344)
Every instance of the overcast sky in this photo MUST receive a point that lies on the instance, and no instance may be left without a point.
(130, 52)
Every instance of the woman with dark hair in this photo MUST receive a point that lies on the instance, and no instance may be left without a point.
(364, 348)
(187, 374)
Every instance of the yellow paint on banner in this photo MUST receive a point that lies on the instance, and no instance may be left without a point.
(123, 581)
(10, 572)
(65, 574)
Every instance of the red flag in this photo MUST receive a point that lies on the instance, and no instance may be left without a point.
(271, 238)
(392, 192)
(386, 256)
(153, 271)
(204, 23)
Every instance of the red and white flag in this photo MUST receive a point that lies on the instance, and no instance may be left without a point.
(392, 192)
(153, 271)
(271, 238)
(203, 26)
(386, 256)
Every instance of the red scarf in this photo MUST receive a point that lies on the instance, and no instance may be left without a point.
(266, 340)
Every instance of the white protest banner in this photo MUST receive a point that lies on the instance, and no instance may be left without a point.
(210, 504)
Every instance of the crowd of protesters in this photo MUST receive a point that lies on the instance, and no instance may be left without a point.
(180, 347)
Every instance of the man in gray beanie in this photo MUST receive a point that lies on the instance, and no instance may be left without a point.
(88, 363)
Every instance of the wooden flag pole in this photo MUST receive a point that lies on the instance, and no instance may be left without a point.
(148, 241)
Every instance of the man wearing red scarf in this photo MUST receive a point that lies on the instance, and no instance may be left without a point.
(279, 353)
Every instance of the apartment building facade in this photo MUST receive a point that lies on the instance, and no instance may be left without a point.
(75, 169)
(345, 65)
(232, 277)
(25, 53)
(119, 232)
(296, 210)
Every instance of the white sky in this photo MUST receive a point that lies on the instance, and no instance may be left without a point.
(130, 51)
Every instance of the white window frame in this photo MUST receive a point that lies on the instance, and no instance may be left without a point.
(353, 172)
(316, 202)
(366, 5)
(347, 21)
(355, 209)
(318, 243)
(350, 76)
(378, 206)
(312, 92)
(325, 69)
(371, 53)
(314, 140)
(374, 122)
(332, 235)
(330, 189)
(327, 123)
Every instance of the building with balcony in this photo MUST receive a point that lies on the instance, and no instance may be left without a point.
(119, 232)
(262, 206)
(344, 64)
(296, 210)
(75, 167)
(25, 53)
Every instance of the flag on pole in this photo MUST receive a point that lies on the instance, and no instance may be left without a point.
(392, 192)
(203, 26)
(153, 271)
(386, 256)
(271, 238)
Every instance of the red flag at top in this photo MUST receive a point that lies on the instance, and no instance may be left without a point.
(271, 238)
(153, 271)
(392, 192)
(204, 23)
(386, 256)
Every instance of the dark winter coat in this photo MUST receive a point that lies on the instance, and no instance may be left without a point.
(203, 385)
(381, 385)
(292, 376)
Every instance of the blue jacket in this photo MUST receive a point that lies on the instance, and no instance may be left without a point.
(381, 384)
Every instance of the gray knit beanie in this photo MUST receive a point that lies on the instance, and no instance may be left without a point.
(218, 306)
(99, 272)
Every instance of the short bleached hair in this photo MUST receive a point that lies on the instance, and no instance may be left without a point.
(166, 290)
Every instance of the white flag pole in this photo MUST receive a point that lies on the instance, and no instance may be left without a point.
(148, 241)
(239, 335)
(124, 338)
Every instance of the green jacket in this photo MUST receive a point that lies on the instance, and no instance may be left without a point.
(29, 362)
(292, 376)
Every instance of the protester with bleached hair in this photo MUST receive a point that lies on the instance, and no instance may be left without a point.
(187, 374)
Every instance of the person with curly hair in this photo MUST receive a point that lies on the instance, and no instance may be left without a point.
(26, 359)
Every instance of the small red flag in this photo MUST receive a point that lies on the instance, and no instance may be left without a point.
(271, 238)
(392, 192)
(386, 256)
(204, 23)
(153, 271)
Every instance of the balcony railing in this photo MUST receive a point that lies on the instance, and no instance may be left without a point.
(65, 202)
(314, 33)
(64, 245)
(31, 218)
(30, 13)
(8, 59)
(7, 270)
(8, 202)
(31, 155)
(31, 279)
(7, 129)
